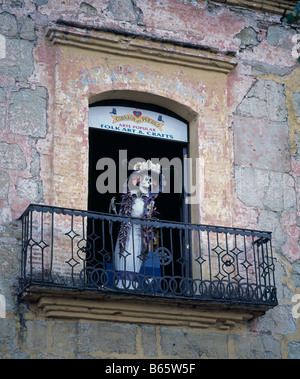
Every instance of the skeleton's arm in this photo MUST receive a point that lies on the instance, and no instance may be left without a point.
(112, 206)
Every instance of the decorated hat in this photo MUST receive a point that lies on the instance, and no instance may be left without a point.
(143, 168)
(147, 166)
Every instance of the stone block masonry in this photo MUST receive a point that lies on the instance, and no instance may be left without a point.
(27, 112)
(91, 340)
(265, 100)
(12, 157)
(17, 36)
(23, 113)
(4, 185)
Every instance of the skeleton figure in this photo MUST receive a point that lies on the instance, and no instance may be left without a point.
(142, 188)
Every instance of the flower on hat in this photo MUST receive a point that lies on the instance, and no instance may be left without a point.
(140, 166)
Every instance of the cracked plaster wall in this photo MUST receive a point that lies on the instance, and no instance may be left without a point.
(263, 95)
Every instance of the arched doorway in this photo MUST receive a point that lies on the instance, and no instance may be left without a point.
(122, 133)
(123, 141)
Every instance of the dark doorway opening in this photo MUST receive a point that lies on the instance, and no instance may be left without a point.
(110, 144)
(170, 205)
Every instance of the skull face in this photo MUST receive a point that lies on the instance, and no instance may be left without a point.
(142, 182)
(145, 183)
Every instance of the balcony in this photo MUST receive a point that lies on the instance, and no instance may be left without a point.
(82, 252)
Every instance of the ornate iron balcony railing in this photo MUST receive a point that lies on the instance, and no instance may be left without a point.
(107, 253)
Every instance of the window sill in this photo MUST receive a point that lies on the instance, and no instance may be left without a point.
(84, 306)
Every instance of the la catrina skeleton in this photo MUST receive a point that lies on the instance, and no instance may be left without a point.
(127, 205)
(141, 189)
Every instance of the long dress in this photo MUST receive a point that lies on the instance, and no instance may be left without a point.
(128, 261)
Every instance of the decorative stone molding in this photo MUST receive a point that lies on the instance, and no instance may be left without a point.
(280, 7)
(130, 309)
(141, 47)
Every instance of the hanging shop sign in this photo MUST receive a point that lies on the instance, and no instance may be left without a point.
(138, 122)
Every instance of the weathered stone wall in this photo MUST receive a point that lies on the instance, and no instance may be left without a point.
(263, 99)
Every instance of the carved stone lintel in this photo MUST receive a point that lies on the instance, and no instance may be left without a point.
(129, 309)
(139, 47)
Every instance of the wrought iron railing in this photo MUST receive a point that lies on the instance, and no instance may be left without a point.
(88, 251)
